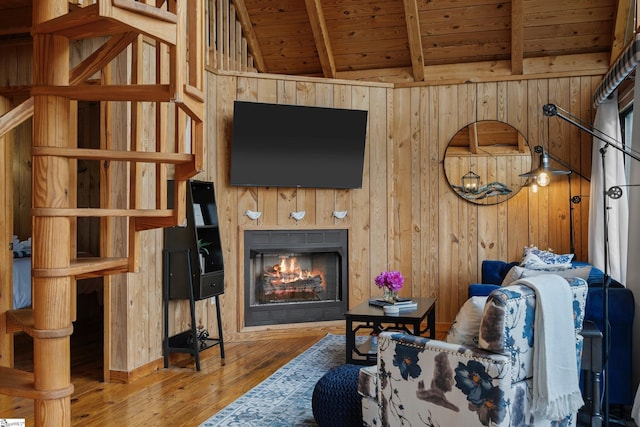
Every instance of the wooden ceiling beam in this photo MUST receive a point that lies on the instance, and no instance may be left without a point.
(473, 138)
(415, 38)
(621, 28)
(321, 37)
(517, 37)
(242, 14)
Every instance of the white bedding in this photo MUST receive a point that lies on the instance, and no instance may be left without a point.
(21, 282)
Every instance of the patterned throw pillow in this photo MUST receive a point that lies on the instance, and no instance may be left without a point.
(534, 258)
(522, 273)
(466, 328)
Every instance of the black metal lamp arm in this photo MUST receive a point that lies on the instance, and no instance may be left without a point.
(550, 110)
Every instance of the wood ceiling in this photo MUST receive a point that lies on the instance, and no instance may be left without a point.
(416, 40)
(423, 40)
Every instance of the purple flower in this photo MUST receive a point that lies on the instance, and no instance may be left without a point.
(390, 279)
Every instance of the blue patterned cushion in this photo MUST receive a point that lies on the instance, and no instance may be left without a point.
(507, 323)
(534, 258)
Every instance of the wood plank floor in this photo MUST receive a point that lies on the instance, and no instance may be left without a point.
(178, 396)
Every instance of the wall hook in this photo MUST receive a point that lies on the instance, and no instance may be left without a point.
(252, 214)
(298, 215)
(339, 214)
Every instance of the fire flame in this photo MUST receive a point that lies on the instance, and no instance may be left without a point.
(289, 271)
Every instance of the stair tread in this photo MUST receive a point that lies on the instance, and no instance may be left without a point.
(22, 320)
(79, 23)
(14, 382)
(86, 267)
(103, 212)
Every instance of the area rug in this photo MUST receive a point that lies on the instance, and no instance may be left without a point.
(284, 399)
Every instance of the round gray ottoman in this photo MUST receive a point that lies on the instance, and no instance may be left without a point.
(335, 400)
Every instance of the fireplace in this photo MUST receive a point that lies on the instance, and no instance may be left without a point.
(295, 276)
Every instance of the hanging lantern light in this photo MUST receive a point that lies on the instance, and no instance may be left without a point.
(470, 182)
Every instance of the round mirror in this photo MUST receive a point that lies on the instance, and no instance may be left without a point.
(484, 160)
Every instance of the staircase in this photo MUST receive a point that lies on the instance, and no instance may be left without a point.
(176, 28)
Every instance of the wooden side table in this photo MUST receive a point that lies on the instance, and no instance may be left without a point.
(366, 316)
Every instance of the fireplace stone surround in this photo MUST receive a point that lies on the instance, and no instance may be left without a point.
(295, 276)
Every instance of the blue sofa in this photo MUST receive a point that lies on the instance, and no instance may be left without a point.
(621, 311)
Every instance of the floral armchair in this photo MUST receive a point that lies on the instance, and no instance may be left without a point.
(424, 382)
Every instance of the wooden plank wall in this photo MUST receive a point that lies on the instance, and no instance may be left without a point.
(406, 217)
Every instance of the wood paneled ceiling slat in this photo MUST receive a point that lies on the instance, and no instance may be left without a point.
(460, 18)
(556, 17)
(349, 9)
(543, 46)
(415, 40)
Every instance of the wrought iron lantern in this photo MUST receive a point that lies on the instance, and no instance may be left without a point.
(470, 182)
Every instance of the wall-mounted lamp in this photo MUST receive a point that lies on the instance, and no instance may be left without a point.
(470, 182)
(542, 174)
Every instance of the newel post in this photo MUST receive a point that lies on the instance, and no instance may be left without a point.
(51, 235)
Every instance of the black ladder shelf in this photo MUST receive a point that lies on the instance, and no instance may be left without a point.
(189, 340)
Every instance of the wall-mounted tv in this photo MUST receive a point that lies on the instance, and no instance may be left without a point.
(276, 145)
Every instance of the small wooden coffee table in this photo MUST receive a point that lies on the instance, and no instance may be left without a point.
(371, 317)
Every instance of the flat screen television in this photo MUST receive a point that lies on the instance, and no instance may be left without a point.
(276, 145)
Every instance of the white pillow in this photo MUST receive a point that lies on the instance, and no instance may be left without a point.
(466, 328)
(521, 273)
(535, 258)
(512, 275)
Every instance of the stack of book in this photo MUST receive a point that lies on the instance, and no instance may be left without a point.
(403, 304)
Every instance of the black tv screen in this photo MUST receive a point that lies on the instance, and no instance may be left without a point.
(276, 145)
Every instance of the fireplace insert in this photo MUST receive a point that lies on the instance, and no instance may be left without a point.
(294, 276)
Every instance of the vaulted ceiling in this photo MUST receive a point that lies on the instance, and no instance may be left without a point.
(426, 40)
(417, 40)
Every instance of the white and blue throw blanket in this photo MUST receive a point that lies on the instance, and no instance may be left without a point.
(556, 392)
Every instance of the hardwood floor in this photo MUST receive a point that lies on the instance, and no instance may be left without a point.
(178, 396)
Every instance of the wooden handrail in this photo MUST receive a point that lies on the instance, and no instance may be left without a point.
(16, 116)
(114, 155)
